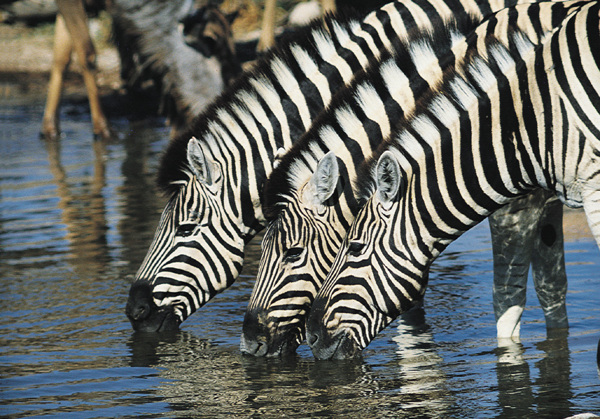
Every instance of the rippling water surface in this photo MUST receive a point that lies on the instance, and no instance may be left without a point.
(76, 218)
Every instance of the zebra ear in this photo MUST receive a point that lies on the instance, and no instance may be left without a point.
(387, 177)
(322, 183)
(197, 161)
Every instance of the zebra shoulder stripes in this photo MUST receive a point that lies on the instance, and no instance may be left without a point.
(214, 173)
(310, 202)
(518, 118)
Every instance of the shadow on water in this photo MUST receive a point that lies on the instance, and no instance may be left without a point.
(76, 219)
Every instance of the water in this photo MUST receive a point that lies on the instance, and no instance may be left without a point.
(75, 222)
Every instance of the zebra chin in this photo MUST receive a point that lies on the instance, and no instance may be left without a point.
(257, 339)
(144, 315)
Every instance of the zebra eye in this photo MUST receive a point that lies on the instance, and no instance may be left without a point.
(185, 230)
(292, 254)
(355, 248)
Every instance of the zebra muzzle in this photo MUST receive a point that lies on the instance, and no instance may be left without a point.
(144, 315)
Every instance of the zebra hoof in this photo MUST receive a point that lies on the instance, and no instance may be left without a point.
(144, 315)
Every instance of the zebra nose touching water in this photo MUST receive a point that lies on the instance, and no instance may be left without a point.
(520, 117)
(214, 175)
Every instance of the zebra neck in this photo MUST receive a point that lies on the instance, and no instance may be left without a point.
(573, 69)
(465, 154)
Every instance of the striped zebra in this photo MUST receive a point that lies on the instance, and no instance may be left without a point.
(214, 173)
(517, 117)
(310, 200)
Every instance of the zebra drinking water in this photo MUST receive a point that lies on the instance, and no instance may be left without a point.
(310, 199)
(518, 117)
(215, 172)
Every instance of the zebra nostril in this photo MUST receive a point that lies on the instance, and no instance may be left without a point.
(141, 312)
(261, 349)
(250, 346)
(312, 339)
(139, 304)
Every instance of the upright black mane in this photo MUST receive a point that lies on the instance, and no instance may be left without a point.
(280, 183)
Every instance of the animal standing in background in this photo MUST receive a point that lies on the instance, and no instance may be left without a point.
(190, 68)
(208, 31)
(518, 117)
(310, 197)
(150, 46)
(72, 34)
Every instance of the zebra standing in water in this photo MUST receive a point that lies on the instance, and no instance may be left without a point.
(309, 198)
(215, 172)
(517, 118)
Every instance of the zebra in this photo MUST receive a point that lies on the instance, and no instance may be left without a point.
(214, 172)
(309, 198)
(518, 117)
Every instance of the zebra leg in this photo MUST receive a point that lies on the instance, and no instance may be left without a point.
(513, 228)
(548, 264)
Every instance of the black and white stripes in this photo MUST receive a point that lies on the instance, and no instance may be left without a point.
(505, 124)
(309, 197)
(215, 181)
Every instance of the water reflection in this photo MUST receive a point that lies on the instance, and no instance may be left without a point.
(76, 218)
(515, 396)
(420, 363)
(201, 378)
(140, 203)
(547, 392)
(83, 213)
(554, 376)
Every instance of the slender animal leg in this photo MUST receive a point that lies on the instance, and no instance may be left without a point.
(548, 264)
(75, 20)
(61, 58)
(267, 34)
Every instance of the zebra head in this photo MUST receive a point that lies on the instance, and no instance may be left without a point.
(197, 250)
(372, 279)
(297, 251)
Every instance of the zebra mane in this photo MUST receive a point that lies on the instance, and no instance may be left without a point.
(459, 91)
(173, 168)
(300, 162)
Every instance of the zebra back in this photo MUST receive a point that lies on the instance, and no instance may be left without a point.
(497, 128)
